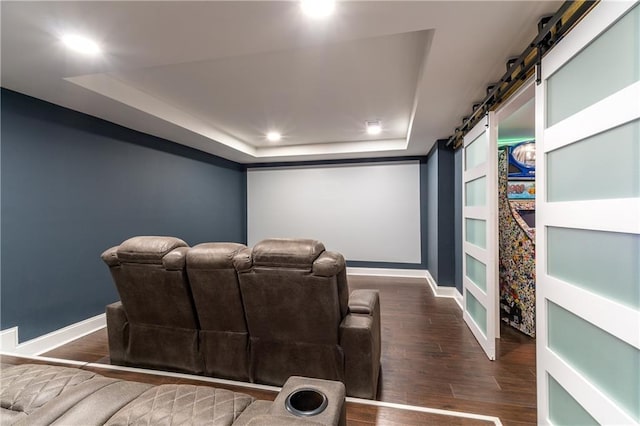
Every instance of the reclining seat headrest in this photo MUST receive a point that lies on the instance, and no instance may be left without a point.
(287, 253)
(213, 255)
(150, 250)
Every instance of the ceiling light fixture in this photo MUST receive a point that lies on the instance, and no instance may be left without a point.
(81, 44)
(274, 136)
(318, 8)
(374, 127)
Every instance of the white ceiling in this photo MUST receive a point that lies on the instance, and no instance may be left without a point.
(218, 75)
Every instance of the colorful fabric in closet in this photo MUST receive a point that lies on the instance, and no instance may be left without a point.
(517, 258)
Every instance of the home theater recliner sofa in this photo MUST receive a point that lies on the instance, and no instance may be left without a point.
(33, 395)
(225, 310)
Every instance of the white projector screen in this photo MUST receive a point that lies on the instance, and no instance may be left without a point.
(367, 212)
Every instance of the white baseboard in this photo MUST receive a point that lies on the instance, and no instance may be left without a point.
(441, 291)
(459, 299)
(438, 291)
(9, 338)
(383, 272)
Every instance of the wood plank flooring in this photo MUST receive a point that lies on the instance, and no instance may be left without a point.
(429, 359)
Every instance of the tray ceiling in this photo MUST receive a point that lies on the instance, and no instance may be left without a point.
(218, 76)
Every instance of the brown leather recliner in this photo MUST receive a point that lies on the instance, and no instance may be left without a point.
(224, 340)
(300, 318)
(155, 324)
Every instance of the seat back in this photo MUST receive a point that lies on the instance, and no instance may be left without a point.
(150, 275)
(295, 296)
(216, 294)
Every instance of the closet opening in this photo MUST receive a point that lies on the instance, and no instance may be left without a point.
(517, 212)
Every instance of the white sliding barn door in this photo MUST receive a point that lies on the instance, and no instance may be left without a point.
(479, 232)
(588, 222)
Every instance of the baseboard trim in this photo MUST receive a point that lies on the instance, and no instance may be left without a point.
(459, 299)
(441, 291)
(437, 290)
(384, 272)
(9, 338)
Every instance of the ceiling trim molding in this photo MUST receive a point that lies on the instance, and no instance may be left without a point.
(333, 148)
(112, 88)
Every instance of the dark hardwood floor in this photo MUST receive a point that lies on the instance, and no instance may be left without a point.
(429, 359)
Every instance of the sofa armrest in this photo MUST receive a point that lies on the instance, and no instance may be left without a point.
(332, 415)
(364, 302)
(360, 342)
(118, 333)
(271, 420)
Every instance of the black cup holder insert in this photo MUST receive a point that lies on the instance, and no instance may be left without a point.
(306, 402)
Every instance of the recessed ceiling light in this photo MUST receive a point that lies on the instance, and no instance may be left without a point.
(81, 44)
(318, 8)
(274, 136)
(374, 127)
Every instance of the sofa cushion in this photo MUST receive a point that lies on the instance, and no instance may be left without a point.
(257, 408)
(182, 404)
(9, 417)
(91, 403)
(27, 387)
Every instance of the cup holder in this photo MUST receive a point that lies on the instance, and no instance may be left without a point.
(306, 402)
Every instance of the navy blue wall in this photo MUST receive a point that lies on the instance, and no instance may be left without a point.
(432, 213)
(73, 185)
(446, 216)
(458, 218)
(440, 231)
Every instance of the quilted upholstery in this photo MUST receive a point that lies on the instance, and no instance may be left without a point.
(182, 405)
(28, 387)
